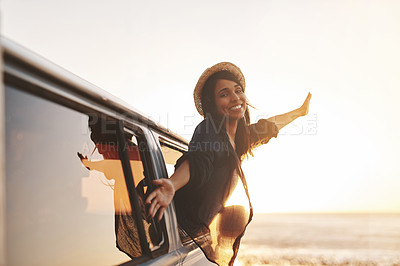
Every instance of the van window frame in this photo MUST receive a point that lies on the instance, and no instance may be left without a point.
(149, 173)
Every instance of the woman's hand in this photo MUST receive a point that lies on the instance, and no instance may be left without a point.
(286, 118)
(161, 197)
(303, 110)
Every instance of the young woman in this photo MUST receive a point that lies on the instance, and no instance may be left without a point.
(209, 174)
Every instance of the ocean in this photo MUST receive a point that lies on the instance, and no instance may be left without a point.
(321, 239)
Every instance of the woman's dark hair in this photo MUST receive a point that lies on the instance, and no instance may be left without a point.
(242, 137)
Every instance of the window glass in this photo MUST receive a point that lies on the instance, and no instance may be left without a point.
(65, 186)
(104, 135)
(138, 156)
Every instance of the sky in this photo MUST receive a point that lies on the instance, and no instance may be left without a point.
(342, 157)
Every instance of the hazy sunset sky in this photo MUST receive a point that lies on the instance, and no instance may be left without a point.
(343, 156)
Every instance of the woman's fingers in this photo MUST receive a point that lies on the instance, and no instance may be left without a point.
(154, 198)
(152, 207)
(309, 96)
(161, 213)
(305, 106)
(158, 181)
(160, 198)
(151, 196)
(157, 208)
(308, 100)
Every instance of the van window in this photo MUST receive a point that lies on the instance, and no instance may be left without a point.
(171, 154)
(67, 199)
(139, 158)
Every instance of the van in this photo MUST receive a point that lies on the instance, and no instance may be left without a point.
(77, 165)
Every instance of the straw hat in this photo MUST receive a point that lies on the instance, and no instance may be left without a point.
(208, 73)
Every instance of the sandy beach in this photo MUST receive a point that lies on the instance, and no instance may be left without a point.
(322, 239)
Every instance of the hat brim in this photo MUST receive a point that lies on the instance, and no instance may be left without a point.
(223, 66)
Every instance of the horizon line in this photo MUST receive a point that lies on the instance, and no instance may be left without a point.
(331, 212)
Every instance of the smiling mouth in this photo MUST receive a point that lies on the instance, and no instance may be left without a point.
(236, 107)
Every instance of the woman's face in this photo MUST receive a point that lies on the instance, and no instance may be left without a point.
(230, 99)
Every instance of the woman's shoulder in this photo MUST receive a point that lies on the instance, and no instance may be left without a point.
(209, 129)
(209, 126)
(209, 136)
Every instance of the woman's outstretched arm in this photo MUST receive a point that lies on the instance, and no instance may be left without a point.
(284, 119)
(162, 196)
